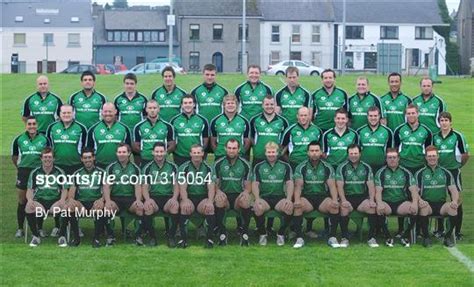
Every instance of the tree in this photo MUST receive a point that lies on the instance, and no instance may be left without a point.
(120, 4)
(452, 49)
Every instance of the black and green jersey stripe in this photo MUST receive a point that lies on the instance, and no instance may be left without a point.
(162, 177)
(251, 98)
(67, 142)
(412, 143)
(188, 132)
(450, 148)
(394, 109)
(105, 140)
(395, 183)
(45, 110)
(209, 100)
(262, 132)
(433, 183)
(87, 108)
(359, 106)
(355, 178)
(272, 178)
(314, 177)
(41, 189)
(232, 176)
(130, 111)
(429, 111)
(290, 102)
(28, 150)
(170, 102)
(147, 134)
(325, 106)
(374, 144)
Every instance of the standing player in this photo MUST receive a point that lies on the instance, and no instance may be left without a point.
(374, 139)
(209, 95)
(315, 188)
(43, 104)
(434, 182)
(26, 151)
(130, 104)
(429, 105)
(106, 135)
(297, 137)
(251, 93)
(453, 155)
(229, 125)
(88, 102)
(272, 188)
(161, 194)
(169, 95)
(360, 102)
(197, 192)
(190, 129)
(67, 138)
(394, 102)
(233, 189)
(266, 127)
(151, 130)
(327, 100)
(355, 186)
(292, 97)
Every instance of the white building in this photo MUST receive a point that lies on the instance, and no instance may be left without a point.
(59, 32)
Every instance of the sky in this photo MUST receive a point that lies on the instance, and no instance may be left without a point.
(452, 4)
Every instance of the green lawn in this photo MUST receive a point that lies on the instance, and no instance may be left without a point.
(316, 264)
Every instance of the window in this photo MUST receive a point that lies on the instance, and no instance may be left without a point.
(275, 33)
(131, 36)
(246, 32)
(19, 39)
(117, 36)
(73, 39)
(426, 60)
(349, 60)
(154, 36)
(146, 36)
(425, 33)
(316, 59)
(274, 57)
(124, 36)
(316, 34)
(161, 36)
(388, 32)
(354, 32)
(370, 60)
(110, 36)
(295, 34)
(48, 39)
(193, 61)
(300, 64)
(194, 32)
(415, 58)
(217, 31)
(295, 56)
(140, 36)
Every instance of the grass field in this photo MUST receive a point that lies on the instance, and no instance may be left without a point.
(315, 264)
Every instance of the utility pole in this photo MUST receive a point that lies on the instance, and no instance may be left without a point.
(343, 56)
(171, 23)
(244, 38)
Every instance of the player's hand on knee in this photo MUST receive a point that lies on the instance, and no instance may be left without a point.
(380, 209)
(346, 204)
(372, 204)
(334, 203)
(413, 209)
(298, 203)
(422, 203)
(98, 204)
(453, 205)
(173, 204)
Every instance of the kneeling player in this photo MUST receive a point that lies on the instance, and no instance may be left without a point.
(315, 188)
(394, 187)
(273, 189)
(233, 188)
(161, 193)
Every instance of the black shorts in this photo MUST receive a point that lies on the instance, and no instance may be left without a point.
(315, 200)
(22, 177)
(356, 200)
(232, 197)
(457, 178)
(273, 200)
(69, 169)
(394, 206)
(87, 204)
(196, 199)
(123, 202)
(436, 207)
(161, 200)
(46, 203)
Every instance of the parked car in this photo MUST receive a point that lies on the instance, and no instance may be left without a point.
(304, 68)
(149, 68)
(79, 68)
(105, 69)
(120, 67)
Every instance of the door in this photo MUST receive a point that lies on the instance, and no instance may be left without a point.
(217, 60)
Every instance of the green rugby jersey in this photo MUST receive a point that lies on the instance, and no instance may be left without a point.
(335, 145)
(209, 100)
(46, 110)
(123, 176)
(162, 183)
(411, 144)
(251, 98)
(232, 176)
(395, 184)
(188, 132)
(42, 191)
(67, 142)
(394, 109)
(297, 138)
(193, 176)
(290, 102)
(358, 108)
(130, 112)
(28, 150)
(105, 140)
(262, 132)
(429, 111)
(170, 102)
(325, 106)
(355, 178)
(147, 134)
(433, 183)
(314, 177)
(225, 129)
(374, 143)
(87, 109)
(450, 148)
(272, 179)
(89, 185)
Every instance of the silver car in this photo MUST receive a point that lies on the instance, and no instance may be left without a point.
(304, 68)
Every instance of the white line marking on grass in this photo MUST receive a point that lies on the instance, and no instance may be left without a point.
(462, 258)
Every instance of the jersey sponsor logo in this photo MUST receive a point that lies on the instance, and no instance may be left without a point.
(188, 130)
(109, 136)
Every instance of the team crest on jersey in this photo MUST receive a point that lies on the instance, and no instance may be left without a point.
(334, 138)
(196, 125)
(188, 130)
(102, 131)
(146, 130)
(443, 146)
(367, 135)
(272, 176)
(268, 129)
(209, 100)
(80, 100)
(393, 182)
(117, 171)
(298, 133)
(285, 96)
(305, 139)
(58, 131)
(226, 167)
(181, 125)
(130, 108)
(253, 98)
(229, 129)
(25, 142)
(373, 140)
(340, 144)
(168, 102)
(265, 170)
(87, 106)
(231, 173)
(349, 172)
(109, 136)
(43, 109)
(292, 102)
(36, 103)
(388, 176)
(162, 96)
(247, 92)
(124, 101)
(153, 136)
(433, 106)
(433, 182)
(262, 123)
(427, 176)
(323, 98)
(222, 124)
(406, 133)
(387, 102)
(329, 104)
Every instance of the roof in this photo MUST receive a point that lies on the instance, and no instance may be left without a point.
(390, 11)
(46, 13)
(217, 8)
(135, 20)
(300, 10)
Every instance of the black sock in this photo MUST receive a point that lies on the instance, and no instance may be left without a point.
(412, 222)
(211, 223)
(401, 223)
(32, 223)
(245, 221)
(63, 226)
(148, 225)
(382, 224)
(57, 223)
(220, 213)
(459, 220)
(270, 221)
(440, 225)
(309, 224)
(75, 227)
(424, 221)
(372, 218)
(141, 226)
(284, 225)
(333, 221)
(108, 227)
(452, 225)
(298, 223)
(174, 225)
(20, 215)
(239, 221)
(39, 222)
(183, 220)
(98, 227)
(344, 223)
(167, 224)
(260, 220)
(326, 224)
